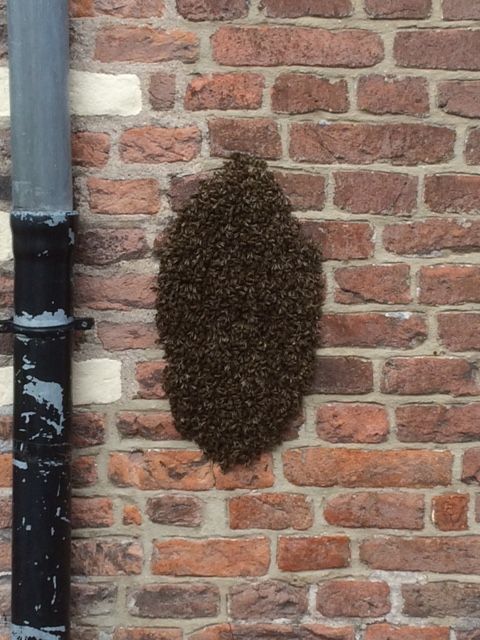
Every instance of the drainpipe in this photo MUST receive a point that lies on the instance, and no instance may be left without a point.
(43, 228)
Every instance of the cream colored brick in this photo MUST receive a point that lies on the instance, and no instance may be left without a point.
(97, 381)
(6, 386)
(4, 93)
(96, 94)
(5, 237)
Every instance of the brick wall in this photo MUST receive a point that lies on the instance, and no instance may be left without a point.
(365, 524)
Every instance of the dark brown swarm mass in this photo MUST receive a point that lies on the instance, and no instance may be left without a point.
(239, 293)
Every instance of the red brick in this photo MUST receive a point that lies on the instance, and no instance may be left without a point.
(84, 471)
(221, 557)
(391, 95)
(267, 600)
(399, 330)
(81, 8)
(386, 284)
(459, 331)
(398, 9)
(306, 8)
(438, 423)
(375, 192)
(146, 633)
(449, 284)
(88, 429)
(198, 10)
(90, 149)
(352, 422)
(440, 599)
(5, 512)
(313, 553)
(6, 290)
(460, 97)
(131, 515)
(154, 425)
(438, 49)
(129, 291)
(453, 193)
(91, 512)
(164, 469)
(133, 335)
(472, 634)
(364, 143)
(319, 467)
(175, 510)
(471, 466)
(271, 511)
(123, 196)
(472, 149)
(432, 236)
(461, 10)
(182, 188)
(450, 512)
(153, 145)
(106, 557)
(130, 8)
(162, 91)
(438, 555)
(258, 136)
(257, 475)
(266, 46)
(305, 92)
(93, 598)
(150, 376)
(273, 632)
(386, 510)
(429, 375)
(339, 240)
(342, 374)
(353, 598)
(384, 631)
(178, 600)
(125, 43)
(305, 191)
(224, 91)
(6, 469)
(102, 246)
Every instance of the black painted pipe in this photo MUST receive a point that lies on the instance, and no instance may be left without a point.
(43, 227)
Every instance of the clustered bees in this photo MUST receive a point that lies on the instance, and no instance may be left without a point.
(239, 292)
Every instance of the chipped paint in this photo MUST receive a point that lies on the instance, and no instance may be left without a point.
(21, 464)
(26, 632)
(49, 394)
(45, 319)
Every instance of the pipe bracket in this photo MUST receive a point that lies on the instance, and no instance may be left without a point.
(77, 324)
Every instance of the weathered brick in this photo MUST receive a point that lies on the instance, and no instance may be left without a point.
(449, 284)
(342, 374)
(438, 555)
(272, 46)
(461, 10)
(386, 284)
(123, 196)
(150, 376)
(106, 557)
(438, 49)
(353, 598)
(398, 9)
(471, 466)
(212, 557)
(146, 633)
(384, 631)
(6, 290)
(459, 331)
(5, 512)
(438, 423)
(257, 475)
(306, 8)
(84, 471)
(259, 136)
(93, 599)
(383, 95)
(304, 190)
(154, 425)
(305, 92)
(182, 188)
(273, 632)
(103, 246)
(375, 192)
(179, 600)
(164, 469)
(178, 510)
(88, 429)
(129, 291)
(399, 330)
(386, 510)
(81, 8)
(313, 553)
(338, 240)
(198, 10)
(450, 512)
(90, 149)
(224, 91)
(440, 599)
(153, 145)
(364, 143)
(453, 193)
(432, 236)
(352, 422)
(161, 91)
(468, 634)
(125, 43)
(460, 97)
(472, 148)
(268, 600)
(271, 511)
(132, 335)
(131, 515)
(429, 375)
(91, 512)
(319, 467)
(130, 8)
